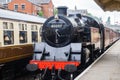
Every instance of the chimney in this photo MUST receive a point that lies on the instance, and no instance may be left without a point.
(62, 10)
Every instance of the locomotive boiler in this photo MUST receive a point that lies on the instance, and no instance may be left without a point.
(68, 42)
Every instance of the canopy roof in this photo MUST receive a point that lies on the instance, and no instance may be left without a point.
(109, 5)
(7, 14)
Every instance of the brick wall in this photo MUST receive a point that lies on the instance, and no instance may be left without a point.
(29, 7)
(48, 9)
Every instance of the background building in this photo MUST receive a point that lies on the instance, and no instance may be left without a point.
(24, 6)
(4, 3)
(32, 7)
(47, 7)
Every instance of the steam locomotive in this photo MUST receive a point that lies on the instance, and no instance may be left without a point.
(69, 42)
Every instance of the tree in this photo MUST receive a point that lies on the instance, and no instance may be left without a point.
(40, 13)
(101, 20)
(89, 14)
(108, 20)
(55, 11)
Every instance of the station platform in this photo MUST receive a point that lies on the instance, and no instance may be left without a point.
(107, 67)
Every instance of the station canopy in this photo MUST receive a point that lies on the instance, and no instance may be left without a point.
(109, 5)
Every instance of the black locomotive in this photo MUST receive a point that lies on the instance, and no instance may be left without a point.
(69, 42)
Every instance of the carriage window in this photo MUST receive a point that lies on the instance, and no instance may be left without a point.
(11, 25)
(25, 27)
(5, 25)
(34, 36)
(34, 29)
(8, 37)
(8, 33)
(23, 36)
(23, 33)
(22, 26)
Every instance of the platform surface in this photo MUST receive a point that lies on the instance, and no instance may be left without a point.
(107, 68)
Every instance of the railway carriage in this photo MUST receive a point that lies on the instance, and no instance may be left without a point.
(18, 32)
(110, 36)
